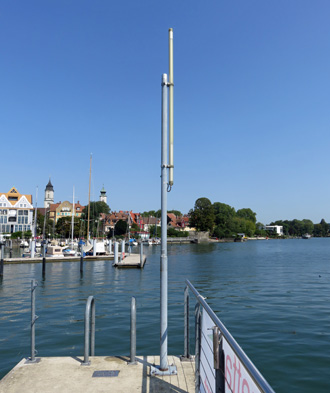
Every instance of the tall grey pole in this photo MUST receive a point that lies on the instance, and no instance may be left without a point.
(163, 257)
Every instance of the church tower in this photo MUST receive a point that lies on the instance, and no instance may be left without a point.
(49, 194)
(103, 195)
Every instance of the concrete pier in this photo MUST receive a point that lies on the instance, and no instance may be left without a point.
(105, 374)
(132, 260)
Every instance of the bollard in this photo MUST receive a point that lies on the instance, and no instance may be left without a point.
(115, 253)
(81, 258)
(133, 332)
(110, 246)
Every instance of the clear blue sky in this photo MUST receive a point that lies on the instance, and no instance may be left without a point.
(252, 102)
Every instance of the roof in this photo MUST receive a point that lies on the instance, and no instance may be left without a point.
(49, 186)
(13, 196)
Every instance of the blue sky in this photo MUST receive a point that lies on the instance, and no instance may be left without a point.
(251, 101)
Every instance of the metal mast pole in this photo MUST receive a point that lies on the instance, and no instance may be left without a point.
(170, 109)
(164, 368)
(163, 257)
(89, 196)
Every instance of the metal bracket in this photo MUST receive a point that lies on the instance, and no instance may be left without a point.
(155, 370)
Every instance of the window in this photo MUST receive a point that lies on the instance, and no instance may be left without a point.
(19, 227)
(26, 212)
(20, 212)
(11, 198)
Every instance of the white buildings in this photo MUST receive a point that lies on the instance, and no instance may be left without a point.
(278, 229)
(16, 212)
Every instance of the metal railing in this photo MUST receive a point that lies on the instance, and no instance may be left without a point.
(89, 330)
(220, 333)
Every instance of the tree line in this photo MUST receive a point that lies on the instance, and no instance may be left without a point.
(222, 220)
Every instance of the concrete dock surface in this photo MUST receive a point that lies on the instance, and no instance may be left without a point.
(67, 374)
(131, 260)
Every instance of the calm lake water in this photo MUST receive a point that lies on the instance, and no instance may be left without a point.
(273, 296)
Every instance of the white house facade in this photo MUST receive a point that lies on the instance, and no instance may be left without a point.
(16, 212)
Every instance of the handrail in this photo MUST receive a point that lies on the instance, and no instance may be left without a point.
(250, 367)
(89, 333)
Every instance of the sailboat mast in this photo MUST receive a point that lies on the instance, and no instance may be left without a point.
(72, 220)
(89, 195)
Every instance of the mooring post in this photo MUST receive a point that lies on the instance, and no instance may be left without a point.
(123, 249)
(43, 257)
(110, 246)
(81, 258)
(10, 249)
(1, 261)
(141, 253)
(115, 253)
(133, 331)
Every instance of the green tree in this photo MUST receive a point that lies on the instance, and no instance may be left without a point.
(64, 225)
(202, 216)
(248, 214)
(121, 228)
(96, 208)
(155, 232)
(224, 215)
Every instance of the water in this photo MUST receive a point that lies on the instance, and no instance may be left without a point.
(273, 296)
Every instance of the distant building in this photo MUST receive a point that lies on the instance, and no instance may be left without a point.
(16, 211)
(103, 195)
(64, 209)
(49, 195)
(278, 229)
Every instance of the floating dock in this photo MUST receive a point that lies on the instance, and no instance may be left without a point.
(104, 374)
(131, 260)
(56, 259)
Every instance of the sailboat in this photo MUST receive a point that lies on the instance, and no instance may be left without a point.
(70, 251)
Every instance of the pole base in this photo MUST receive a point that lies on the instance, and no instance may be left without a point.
(29, 361)
(187, 359)
(155, 370)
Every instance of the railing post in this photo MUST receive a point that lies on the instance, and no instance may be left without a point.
(89, 331)
(197, 345)
(33, 321)
(141, 253)
(219, 362)
(133, 332)
(186, 323)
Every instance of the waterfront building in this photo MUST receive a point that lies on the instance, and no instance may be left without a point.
(16, 211)
(278, 229)
(49, 195)
(103, 195)
(64, 209)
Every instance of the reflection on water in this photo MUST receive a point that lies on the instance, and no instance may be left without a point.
(272, 295)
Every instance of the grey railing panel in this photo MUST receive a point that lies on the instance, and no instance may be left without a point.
(250, 367)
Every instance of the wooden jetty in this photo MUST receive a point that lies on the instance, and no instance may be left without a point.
(131, 260)
(104, 374)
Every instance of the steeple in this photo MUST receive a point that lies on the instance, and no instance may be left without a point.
(103, 195)
(49, 194)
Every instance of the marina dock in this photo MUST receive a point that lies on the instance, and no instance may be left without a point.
(104, 374)
(56, 259)
(131, 261)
